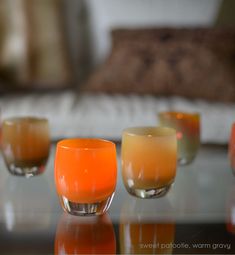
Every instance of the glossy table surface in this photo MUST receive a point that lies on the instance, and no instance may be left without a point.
(197, 216)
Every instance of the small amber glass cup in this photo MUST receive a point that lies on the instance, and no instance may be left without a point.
(85, 175)
(85, 235)
(187, 126)
(149, 159)
(25, 145)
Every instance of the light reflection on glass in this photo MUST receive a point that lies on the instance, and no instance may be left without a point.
(26, 202)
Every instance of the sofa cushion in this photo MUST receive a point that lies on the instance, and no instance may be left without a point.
(105, 115)
(193, 63)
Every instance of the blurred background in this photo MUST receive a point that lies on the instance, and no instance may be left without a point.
(104, 65)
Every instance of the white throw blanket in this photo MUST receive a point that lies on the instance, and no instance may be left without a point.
(102, 115)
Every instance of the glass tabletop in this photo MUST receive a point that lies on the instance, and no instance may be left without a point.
(197, 216)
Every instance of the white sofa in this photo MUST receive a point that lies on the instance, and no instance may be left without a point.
(103, 115)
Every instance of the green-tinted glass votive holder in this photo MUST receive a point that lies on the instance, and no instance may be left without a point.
(187, 126)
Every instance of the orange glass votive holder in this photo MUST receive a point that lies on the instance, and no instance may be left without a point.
(85, 175)
(149, 160)
(25, 144)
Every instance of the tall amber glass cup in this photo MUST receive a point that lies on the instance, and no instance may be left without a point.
(149, 159)
(25, 145)
(85, 175)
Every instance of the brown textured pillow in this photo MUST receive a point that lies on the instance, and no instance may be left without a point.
(194, 63)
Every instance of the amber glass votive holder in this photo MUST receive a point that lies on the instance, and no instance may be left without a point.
(85, 175)
(25, 145)
(232, 148)
(187, 126)
(149, 159)
(85, 235)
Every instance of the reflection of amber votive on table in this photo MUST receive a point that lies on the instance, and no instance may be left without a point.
(86, 235)
(187, 126)
(146, 237)
(149, 159)
(85, 175)
(230, 210)
(25, 145)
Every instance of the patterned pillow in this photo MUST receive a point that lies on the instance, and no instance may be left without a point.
(193, 63)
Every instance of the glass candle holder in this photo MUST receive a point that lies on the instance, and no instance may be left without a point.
(232, 148)
(25, 145)
(187, 126)
(85, 235)
(85, 175)
(149, 159)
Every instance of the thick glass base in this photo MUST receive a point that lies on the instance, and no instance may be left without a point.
(149, 193)
(182, 161)
(233, 170)
(26, 171)
(85, 209)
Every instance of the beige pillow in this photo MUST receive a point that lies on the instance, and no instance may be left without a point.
(33, 52)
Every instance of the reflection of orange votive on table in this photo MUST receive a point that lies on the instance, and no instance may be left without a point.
(93, 235)
(85, 169)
